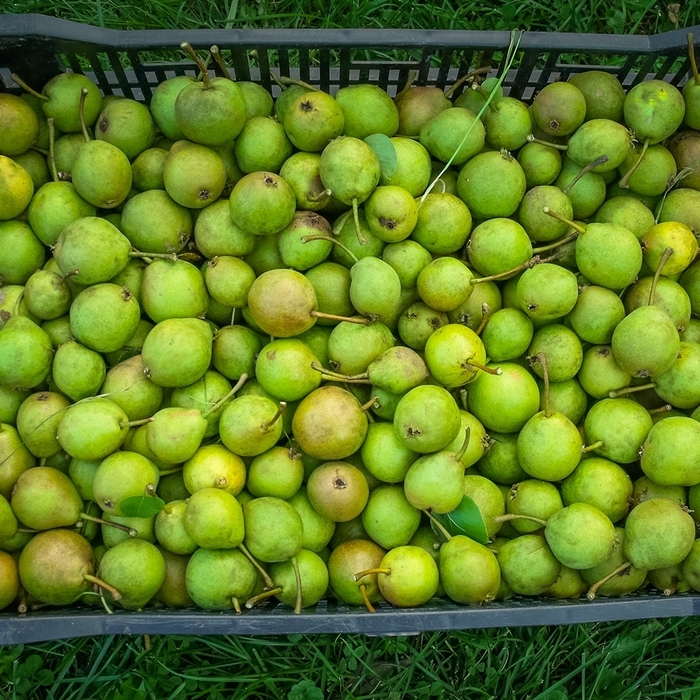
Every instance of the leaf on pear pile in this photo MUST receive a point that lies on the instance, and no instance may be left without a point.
(141, 506)
(465, 519)
(384, 150)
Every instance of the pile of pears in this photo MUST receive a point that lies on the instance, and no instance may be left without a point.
(351, 346)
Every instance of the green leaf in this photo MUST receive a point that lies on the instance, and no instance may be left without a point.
(305, 690)
(141, 506)
(384, 150)
(465, 519)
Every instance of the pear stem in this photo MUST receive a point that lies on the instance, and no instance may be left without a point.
(148, 256)
(661, 409)
(28, 89)
(484, 70)
(330, 374)
(269, 583)
(278, 81)
(489, 370)
(27, 530)
(562, 241)
(513, 516)
(236, 604)
(526, 265)
(356, 218)
(691, 56)
(594, 588)
(129, 530)
(624, 182)
(241, 381)
(233, 315)
(365, 598)
(542, 359)
(630, 390)
(81, 112)
(563, 219)
(465, 444)
(369, 404)
(367, 572)
(412, 75)
(593, 446)
(187, 48)
(323, 237)
(282, 407)
(662, 262)
(293, 81)
(533, 139)
(438, 524)
(485, 316)
(219, 59)
(52, 149)
(584, 171)
(350, 319)
(135, 423)
(116, 595)
(101, 593)
(319, 196)
(297, 577)
(252, 602)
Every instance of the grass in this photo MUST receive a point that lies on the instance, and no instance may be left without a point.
(620, 661)
(632, 16)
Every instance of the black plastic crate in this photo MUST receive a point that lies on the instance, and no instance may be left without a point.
(121, 62)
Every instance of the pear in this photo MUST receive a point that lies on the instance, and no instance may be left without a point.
(504, 402)
(173, 591)
(603, 93)
(313, 577)
(177, 352)
(338, 491)
(62, 97)
(16, 188)
(122, 475)
(663, 461)
(126, 124)
(408, 576)
(92, 250)
(153, 222)
(491, 184)
(312, 120)
(278, 472)
(329, 424)
(528, 565)
(658, 533)
(469, 571)
(214, 519)
(251, 425)
(559, 109)
(20, 125)
(217, 579)
(25, 353)
(273, 529)
(147, 169)
(317, 529)
(163, 105)
(367, 109)
(194, 175)
(57, 567)
(600, 483)
(136, 568)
